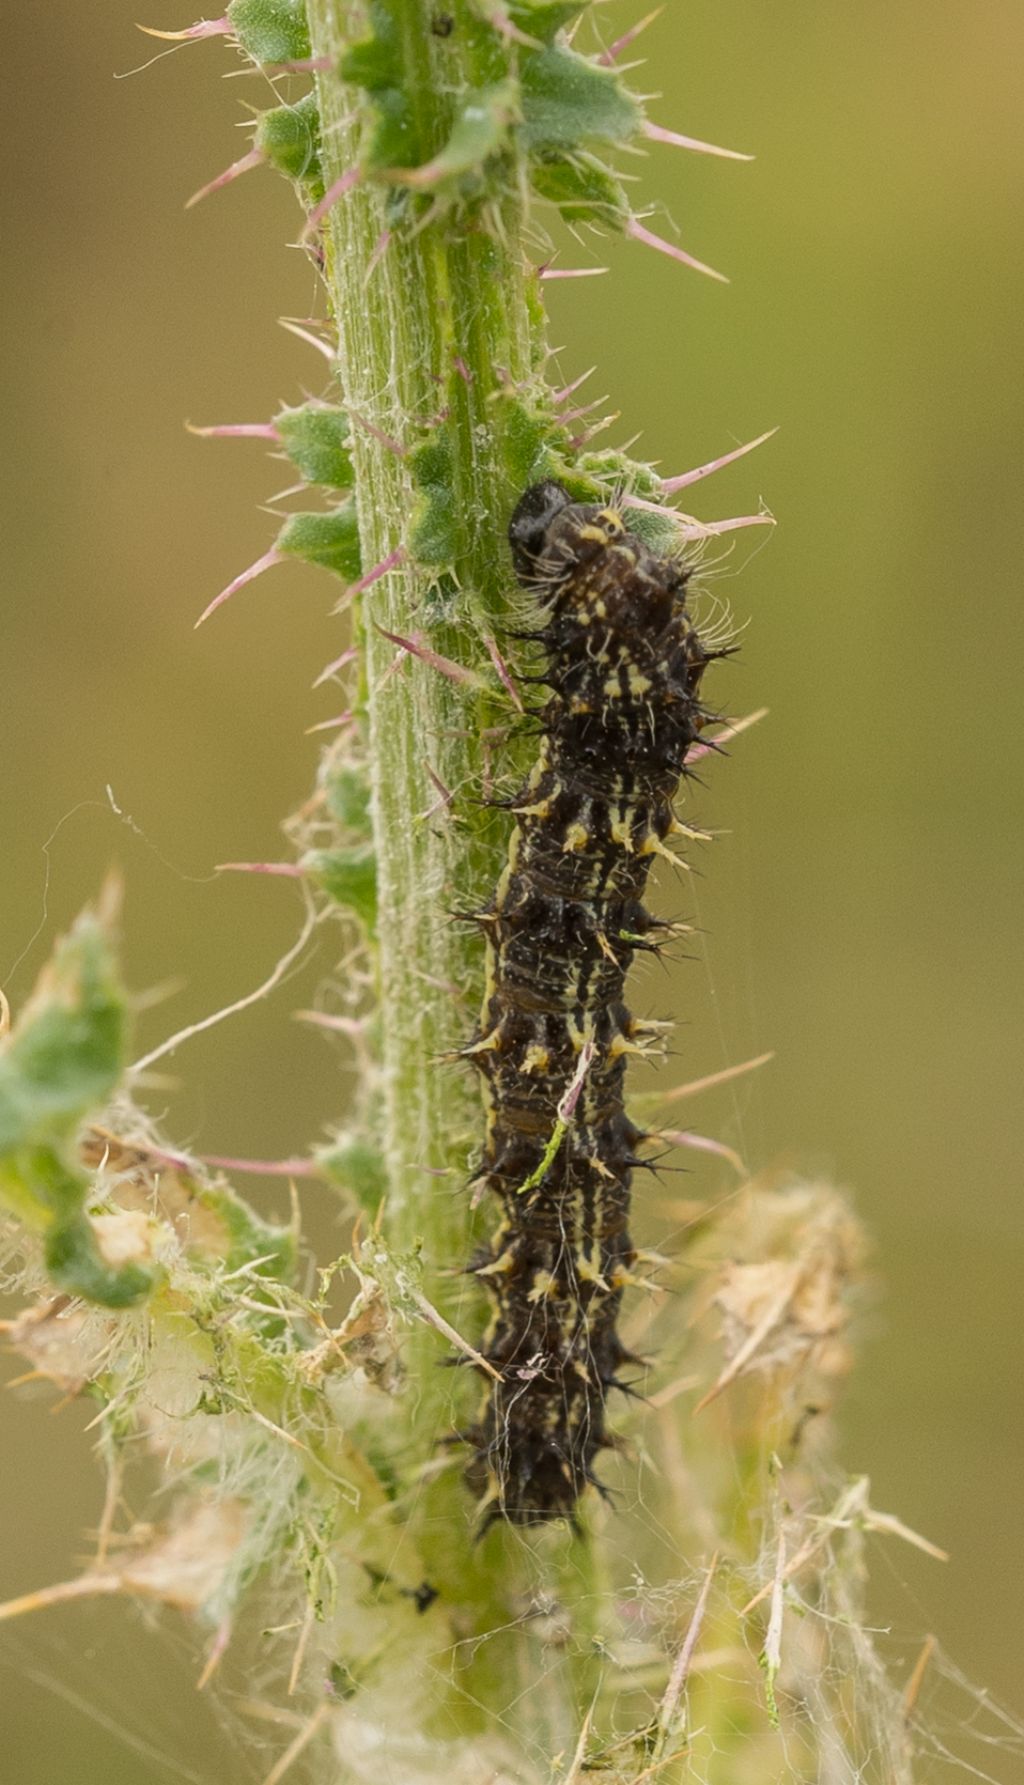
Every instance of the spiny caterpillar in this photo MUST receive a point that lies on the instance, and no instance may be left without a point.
(624, 664)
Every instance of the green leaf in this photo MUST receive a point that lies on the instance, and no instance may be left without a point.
(526, 443)
(583, 190)
(375, 63)
(315, 436)
(249, 1237)
(357, 1166)
(568, 101)
(62, 1059)
(349, 876)
(542, 18)
(433, 536)
(76, 1264)
(65, 1054)
(271, 30)
(347, 791)
(330, 540)
(289, 138)
(481, 129)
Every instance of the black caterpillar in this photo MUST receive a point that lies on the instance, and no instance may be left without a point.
(624, 664)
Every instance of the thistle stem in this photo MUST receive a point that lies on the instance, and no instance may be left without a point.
(434, 332)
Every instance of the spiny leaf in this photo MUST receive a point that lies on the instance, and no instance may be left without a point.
(315, 436)
(348, 799)
(288, 136)
(480, 130)
(330, 540)
(65, 1053)
(76, 1264)
(376, 64)
(542, 18)
(271, 30)
(358, 1166)
(434, 535)
(568, 101)
(62, 1059)
(349, 876)
(583, 190)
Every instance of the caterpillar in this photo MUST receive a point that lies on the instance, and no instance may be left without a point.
(623, 666)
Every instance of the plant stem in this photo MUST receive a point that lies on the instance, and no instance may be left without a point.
(439, 321)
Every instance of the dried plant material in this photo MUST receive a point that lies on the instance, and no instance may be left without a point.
(182, 1567)
(786, 1311)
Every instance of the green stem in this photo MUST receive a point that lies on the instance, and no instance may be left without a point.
(439, 321)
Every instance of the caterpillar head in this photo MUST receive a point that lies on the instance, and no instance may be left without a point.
(530, 526)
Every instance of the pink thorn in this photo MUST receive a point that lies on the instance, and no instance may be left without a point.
(584, 409)
(339, 663)
(456, 672)
(215, 1654)
(394, 446)
(446, 793)
(310, 339)
(567, 1106)
(336, 724)
(648, 507)
(581, 440)
(702, 1143)
(303, 65)
(273, 1168)
(658, 134)
(372, 576)
(712, 1080)
(568, 390)
(501, 22)
(548, 272)
(650, 240)
(267, 562)
(329, 200)
(503, 672)
(236, 430)
(180, 1161)
(325, 1019)
(732, 730)
(205, 28)
(234, 172)
(712, 529)
(671, 485)
(288, 870)
(379, 250)
(426, 174)
(615, 50)
(462, 369)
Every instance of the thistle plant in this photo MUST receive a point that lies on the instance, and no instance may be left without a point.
(306, 1423)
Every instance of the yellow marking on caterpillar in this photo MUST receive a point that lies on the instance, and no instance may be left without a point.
(499, 1268)
(619, 1046)
(545, 1283)
(679, 829)
(537, 1058)
(653, 845)
(588, 1272)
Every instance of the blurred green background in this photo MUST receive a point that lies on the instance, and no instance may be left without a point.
(862, 916)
